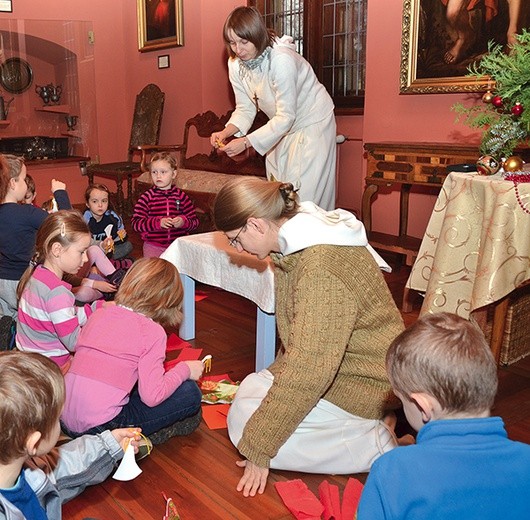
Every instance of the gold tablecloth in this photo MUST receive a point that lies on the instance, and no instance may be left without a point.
(476, 248)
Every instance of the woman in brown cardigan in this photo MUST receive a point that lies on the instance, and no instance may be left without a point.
(319, 407)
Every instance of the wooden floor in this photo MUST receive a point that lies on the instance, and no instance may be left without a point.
(199, 471)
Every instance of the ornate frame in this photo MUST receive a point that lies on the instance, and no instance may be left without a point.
(410, 83)
(151, 35)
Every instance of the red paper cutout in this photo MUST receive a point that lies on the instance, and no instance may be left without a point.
(175, 343)
(330, 499)
(214, 415)
(351, 498)
(297, 497)
(189, 354)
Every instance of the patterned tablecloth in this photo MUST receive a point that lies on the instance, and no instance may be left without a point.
(476, 248)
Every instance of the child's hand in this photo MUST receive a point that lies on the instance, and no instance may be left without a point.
(196, 369)
(107, 245)
(102, 286)
(178, 222)
(122, 434)
(57, 185)
(166, 222)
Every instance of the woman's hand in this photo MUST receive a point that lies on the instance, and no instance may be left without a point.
(196, 369)
(254, 478)
(217, 139)
(236, 146)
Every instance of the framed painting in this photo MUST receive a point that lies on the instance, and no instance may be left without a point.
(442, 38)
(159, 24)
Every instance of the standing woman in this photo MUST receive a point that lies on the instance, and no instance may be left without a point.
(267, 74)
(319, 407)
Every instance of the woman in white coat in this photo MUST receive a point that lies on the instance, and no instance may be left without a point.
(267, 74)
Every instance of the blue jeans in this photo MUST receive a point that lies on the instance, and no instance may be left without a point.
(184, 402)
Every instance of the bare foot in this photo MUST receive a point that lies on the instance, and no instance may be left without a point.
(455, 53)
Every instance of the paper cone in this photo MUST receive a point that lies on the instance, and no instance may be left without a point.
(128, 469)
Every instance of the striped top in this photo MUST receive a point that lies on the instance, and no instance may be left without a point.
(48, 320)
(155, 204)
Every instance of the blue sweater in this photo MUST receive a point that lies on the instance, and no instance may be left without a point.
(459, 469)
(18, 230)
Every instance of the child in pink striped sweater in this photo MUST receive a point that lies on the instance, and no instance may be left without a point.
(48, 320)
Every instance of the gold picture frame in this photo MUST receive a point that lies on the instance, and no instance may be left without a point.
(427, 47)
(160, 24)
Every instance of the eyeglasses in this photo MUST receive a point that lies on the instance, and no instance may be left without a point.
(234, 241)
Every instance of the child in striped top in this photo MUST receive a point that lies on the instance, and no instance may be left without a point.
(164, 212)
(48, 320)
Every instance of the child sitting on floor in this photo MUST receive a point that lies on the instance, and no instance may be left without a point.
(33, 486)
(117, 376)
(164, 212)
(463, 465)
(18, 227)
(48, 320)
(113, 239)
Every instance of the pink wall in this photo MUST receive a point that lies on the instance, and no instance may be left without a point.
(390, 116)
(197, 81)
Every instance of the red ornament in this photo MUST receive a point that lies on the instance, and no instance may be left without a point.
(497, 101)
(517, 109)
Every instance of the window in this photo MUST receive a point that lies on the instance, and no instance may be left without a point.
(331, 35)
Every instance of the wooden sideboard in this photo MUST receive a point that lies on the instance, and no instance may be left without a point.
(406, 165)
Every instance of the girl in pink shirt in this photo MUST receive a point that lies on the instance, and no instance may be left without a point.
(48, 319)
(118, 376)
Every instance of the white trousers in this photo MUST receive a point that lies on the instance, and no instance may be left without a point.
(308, 158)
(328, 440)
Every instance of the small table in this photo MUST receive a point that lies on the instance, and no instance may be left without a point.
(476, 249)
(208, 258)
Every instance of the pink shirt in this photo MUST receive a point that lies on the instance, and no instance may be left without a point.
(116, 349)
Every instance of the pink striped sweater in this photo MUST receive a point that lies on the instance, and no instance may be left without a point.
(48, 320)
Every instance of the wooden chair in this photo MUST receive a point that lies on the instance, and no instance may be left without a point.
(207, 123)
(145, 133)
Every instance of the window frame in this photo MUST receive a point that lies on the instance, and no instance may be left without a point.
(313, 52)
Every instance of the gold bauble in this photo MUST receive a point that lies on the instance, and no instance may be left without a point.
(487, 97)
(513, 164)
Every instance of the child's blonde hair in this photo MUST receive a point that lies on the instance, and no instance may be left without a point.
(152, 287)
(64, 227)
(447, 357)
(32, 395)
(10, 168)
(164, 156)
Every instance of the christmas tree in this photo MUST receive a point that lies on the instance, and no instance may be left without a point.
(505, 111)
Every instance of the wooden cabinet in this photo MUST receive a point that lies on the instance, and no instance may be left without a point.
(407, 165)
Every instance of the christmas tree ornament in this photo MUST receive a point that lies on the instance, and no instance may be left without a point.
(496, 101)
(487, 97)
(513, 164)
(488, 165)
(517, 109)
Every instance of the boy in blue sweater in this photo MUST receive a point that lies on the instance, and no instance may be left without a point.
(463, 466)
